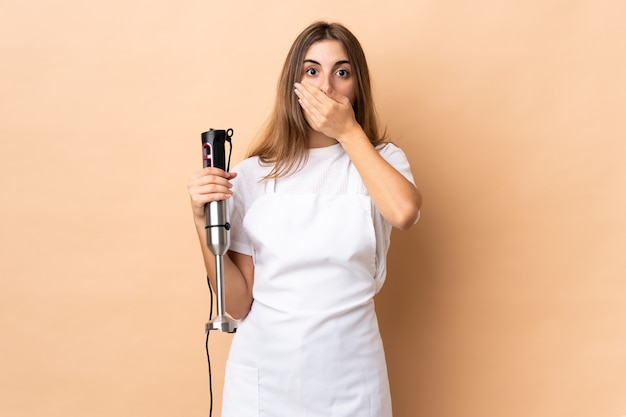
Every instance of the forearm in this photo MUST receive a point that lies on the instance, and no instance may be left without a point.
(397, 199)
(237, 290)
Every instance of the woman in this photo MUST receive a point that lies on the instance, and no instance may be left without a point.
(312, 212)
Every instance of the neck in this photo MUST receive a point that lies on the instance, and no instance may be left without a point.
(320, 140)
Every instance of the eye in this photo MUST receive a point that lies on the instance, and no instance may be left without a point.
(311, 71)
(343, 73)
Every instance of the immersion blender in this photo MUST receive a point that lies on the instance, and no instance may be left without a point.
(217, 225)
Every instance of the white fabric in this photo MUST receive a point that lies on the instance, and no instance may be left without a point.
(310, 345)
(326, 172)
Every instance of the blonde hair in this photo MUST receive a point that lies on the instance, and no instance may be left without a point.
(284, 140)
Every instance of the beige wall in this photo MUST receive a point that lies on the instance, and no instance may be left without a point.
(508, 298)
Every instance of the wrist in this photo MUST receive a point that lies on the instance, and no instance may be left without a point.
(353, 135)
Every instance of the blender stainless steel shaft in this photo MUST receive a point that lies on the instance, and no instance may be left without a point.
(217, 226)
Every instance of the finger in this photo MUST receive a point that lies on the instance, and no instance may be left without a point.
(209, 184)
(310, 113)
(209, 193)
(338, 97)
(210, 174)
(202, 194)
(214, 171)
(307, 109)
(313, 101)
(311, 94)
(302, 97)
(329, 97)
(209, 179)
(208, 171)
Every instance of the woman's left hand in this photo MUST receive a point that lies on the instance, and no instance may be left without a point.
(328, 113)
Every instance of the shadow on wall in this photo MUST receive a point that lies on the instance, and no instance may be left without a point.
(406, 314)
(407, 303)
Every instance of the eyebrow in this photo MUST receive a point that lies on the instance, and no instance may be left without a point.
(341, 62)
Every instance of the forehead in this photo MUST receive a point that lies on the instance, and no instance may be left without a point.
(326, 50)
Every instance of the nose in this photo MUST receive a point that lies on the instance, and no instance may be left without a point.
(326, 85)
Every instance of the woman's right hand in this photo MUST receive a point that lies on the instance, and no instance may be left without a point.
(209, 184)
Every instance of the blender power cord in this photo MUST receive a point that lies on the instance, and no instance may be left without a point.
(206, 345)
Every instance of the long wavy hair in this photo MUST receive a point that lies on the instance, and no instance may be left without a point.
(284, 140)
